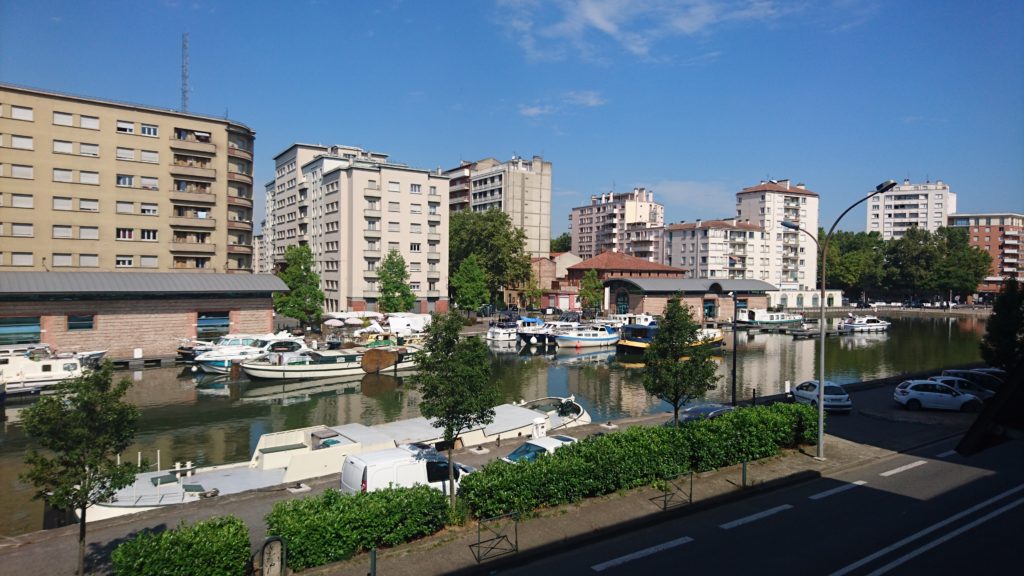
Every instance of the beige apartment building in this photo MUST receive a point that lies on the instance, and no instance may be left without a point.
(910, 205)
(352, 207)
(792, 263)
(717, 249)
(96, 185)
(630, 222)
(521, 188)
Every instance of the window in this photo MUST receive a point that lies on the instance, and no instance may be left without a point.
(148, 209)
(125, 153)
(61, 203)
(125, 234)
(125, 180)
(371, 265)
(149, 156)
(21, 200)
(62, 147)
(21, 113)
(415, 228)
(393, 247)
(86, 177)
(89, 149)
(125, 207)
(21, 142)
(416, 208)
(148, 234)
(80, 321)
(394, 207)
(415, 286)
(394, 227)
(21, 258)
(414, 188)
(123, 261)
(125, 127)
(61, 260)
(60, 231)
(414, 247)
(147, 262)
(433, 190)
(89, 205)
(91, 123)
(19, 330)
(21, 230)
(394, 187)
(149, 130)
(414, 267)
(61, 175)
(149, 183)
(63, 119)
(21, 171)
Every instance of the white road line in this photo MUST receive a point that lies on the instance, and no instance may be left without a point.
(945, 538)
(904, 468)
(640, 554)
(946, 454)
(926, 531)
(753, 517)
(836, 490)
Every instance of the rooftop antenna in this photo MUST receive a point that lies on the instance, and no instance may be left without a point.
(184, 72)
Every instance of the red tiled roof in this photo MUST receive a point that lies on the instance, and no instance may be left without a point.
(774, 187)
(715, 224)
(620, 261)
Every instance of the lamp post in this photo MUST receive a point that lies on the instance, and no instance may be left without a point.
(733, 294)
(823, 251)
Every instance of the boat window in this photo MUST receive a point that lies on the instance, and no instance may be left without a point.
(70, 367)
(438, 471)
(210, 325)
(19, 330)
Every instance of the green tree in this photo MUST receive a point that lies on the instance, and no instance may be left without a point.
(304, 299)
(532, 292)
(499, 245)
(395, 294)
(678, 368)
(961, 267)
(910, 263)
(855, 262)
(591, 290)
(563, 243)
(470, 284)
(454, 379)
(82, 428)
(1003, 344)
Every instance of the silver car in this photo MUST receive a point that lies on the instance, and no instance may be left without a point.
(917, 394)
(836, 399)
(964, 386)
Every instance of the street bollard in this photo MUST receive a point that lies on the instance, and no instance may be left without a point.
(373, 562)
(744, 473)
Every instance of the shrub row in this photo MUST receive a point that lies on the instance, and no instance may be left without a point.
(333, 526)
(218, 547)
(636, 457)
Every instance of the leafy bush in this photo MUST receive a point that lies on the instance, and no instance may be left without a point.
(333, 526)
(219, 546)
(636, 457)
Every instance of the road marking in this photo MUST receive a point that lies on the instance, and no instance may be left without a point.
(836, 490)
(640, 554)
(753, 517)
(947, 537)
(926, 531)
(946, 454)
(904, 468)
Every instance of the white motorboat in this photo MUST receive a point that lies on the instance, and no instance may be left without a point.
(219, 360)
(24, 373)
(310, 364)
(587, 336)
(864, 324)
(619, 320)
(507, 329)
(762, 317)
(89, 359)
(190, 348)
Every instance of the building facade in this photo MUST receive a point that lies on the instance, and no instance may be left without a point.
(351, 208)
(719, 249)
(96, 185)
(999, 235)
(910, 205)
(520, 188)
(792, 263)
(630, 222)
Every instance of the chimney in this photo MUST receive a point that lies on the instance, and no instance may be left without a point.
(698, 222)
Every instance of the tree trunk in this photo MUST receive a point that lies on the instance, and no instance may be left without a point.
(81, 543)
(451, 474)
(675, 415)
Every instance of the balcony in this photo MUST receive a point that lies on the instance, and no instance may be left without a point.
(371, 274)
(433, 294)
(239, 201)
(192, 247)
(200, 197)
(433, 236)
(1011, 251)
(372, 192)
(371, 293)
(194, 146)
(193, 222)
(239, 224)
(433, 274)
(1009, 232)
(371, 212)
(433, 217)
(375, 233)
(239, 249)
(1011, 241)
(435, 255)
(239, 177)
(239, 152)
(196, 171)
(372, 253)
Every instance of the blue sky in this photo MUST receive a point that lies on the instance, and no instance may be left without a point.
(694, 99)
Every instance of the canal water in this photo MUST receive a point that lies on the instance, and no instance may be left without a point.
(210, 422)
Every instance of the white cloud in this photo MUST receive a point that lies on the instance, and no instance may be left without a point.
(568, 100)
(587, 98)
(534, 111)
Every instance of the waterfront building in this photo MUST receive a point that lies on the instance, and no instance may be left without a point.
(910, 205)
(998, 234)
(520, 188)
(718, 249)
(807, 302)
(709, 300)
(96, 185)
(630, 222)
(792, 263)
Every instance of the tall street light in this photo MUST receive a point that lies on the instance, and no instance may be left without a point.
(823, 251)
(733, 294)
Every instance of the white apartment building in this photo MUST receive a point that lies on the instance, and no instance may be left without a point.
(910, 205)
(793, 260)
(731, 249)
(521, 188)
(630, 222)
(352, 207)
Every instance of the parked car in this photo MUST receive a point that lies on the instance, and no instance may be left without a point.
(997, 372)
(836, 399)
(987, 380)
(404, 466)
(917, 394)
(964, 386)
(533, 448)
(700, 412)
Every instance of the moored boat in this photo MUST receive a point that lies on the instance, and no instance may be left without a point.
(863, 324)
(587, 337)
(762, 317)
(635, 340)
(219, 360)
(24, 373)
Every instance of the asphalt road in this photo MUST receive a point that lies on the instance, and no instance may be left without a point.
(927, 511)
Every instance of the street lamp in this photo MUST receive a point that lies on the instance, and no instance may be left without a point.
(823, 251)
(733, 294)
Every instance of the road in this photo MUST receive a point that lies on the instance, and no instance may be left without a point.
(927, 511)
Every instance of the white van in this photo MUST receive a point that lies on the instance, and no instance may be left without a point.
(400, 467)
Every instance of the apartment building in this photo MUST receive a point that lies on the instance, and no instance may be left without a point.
(96, 185)
(908, 205)
(999, 235)
(352, 207)
(521, 188)
(629, 222)
(793, 260)
(732, 249)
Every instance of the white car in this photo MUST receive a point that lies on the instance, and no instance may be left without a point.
(917, 394)
(964, 386)
(836, 399)
(529, 451)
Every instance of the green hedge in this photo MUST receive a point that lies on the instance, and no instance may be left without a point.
(333, 526)
(219, 546)
(636, 457)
